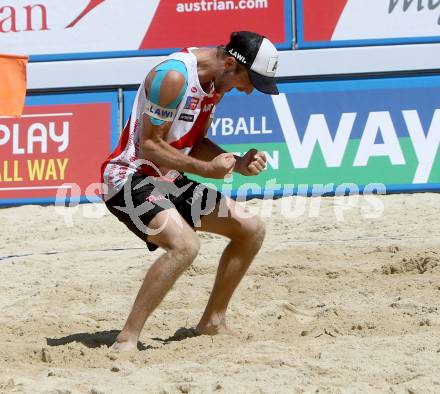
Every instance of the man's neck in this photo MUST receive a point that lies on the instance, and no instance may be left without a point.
(208, 65)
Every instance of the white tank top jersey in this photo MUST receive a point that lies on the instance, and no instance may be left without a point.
(188, 124)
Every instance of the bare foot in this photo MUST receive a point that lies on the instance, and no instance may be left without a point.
(124, 346)
(124, 343)
(214, 329)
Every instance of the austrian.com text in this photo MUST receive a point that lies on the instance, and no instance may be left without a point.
(214, 5)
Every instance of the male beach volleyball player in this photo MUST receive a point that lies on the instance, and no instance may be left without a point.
(165, 137)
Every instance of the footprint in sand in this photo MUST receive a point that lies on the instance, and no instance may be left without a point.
(303, 316)
(408, 265)
(280, 308)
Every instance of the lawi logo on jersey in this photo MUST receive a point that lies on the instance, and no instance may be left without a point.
(368, 131)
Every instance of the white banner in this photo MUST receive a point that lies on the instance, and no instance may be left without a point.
(379, 19)
(367, 22)
(57, 27)
(68, 26)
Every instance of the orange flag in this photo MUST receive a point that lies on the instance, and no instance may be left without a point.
(12, 84)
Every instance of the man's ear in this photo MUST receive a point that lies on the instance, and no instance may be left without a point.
(229, 62)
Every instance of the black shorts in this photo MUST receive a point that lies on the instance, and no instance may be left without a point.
(142, 197)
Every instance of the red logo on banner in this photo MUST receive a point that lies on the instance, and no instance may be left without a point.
(321, 18)
(52, 145)
(92, 5)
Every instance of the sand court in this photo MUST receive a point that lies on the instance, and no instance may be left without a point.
(328, 306)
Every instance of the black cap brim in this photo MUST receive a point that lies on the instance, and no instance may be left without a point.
(262, 83)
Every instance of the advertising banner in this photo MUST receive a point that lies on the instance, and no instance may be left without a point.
(318, 136)
(333, 23)
(57, 145)
(71, 29)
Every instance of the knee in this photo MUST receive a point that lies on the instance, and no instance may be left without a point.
(259, 230)
(191, 248)
(253, 229)
(186, 249)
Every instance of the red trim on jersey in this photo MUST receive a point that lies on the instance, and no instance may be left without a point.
(191, 138)
(143, 169)
(148, 170)
(119, 148)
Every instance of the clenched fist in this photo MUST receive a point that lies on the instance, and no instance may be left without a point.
(220, 166)
(252, 163)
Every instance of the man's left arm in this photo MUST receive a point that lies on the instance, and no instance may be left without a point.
(252, 163)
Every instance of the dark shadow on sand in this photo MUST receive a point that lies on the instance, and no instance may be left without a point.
(94, 340)
(181, 334)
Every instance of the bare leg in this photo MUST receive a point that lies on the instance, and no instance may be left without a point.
(246, 236)
(181, 245)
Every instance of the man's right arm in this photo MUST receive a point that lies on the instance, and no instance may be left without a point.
(153, 143)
